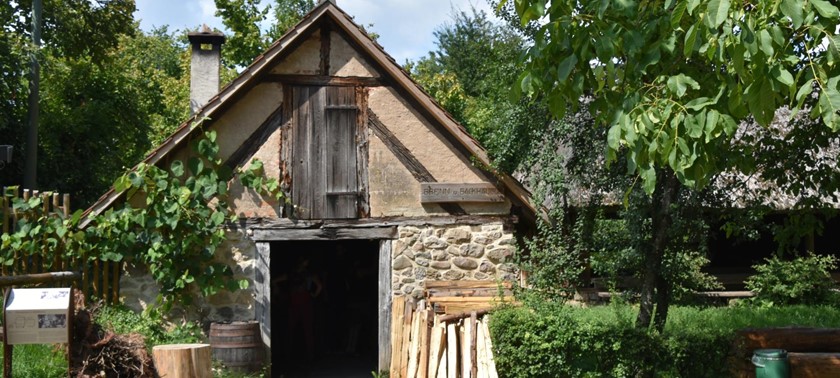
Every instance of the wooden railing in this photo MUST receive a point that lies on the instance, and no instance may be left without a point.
(100, 279)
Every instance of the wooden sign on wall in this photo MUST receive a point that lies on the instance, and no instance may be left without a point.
(435, 192)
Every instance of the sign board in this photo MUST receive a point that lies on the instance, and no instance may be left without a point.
(435, 192)
(38, 316)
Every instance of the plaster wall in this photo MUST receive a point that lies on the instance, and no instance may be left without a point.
(393, 190)
(346, 61)
(304, 60)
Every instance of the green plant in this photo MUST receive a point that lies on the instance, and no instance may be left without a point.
(149, 323)
(172, 221)
(37, 361)
(548, 339)
(804, 279)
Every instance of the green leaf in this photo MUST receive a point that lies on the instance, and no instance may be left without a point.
(717, 12)
(793, 10)
(699, 103)
(690, 41)
(765, 42)
(677, 14)
(678, 84)
(244, 284)
(826, 9)
(649, 179)
(804, 91)
(781, 75)
(566, 66)
(614, 135)
(196, 165)
(692, 5)
(177, 168)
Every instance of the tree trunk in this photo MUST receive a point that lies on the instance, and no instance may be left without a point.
(664, 195)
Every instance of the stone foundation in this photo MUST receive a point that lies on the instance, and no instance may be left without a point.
(482, 252)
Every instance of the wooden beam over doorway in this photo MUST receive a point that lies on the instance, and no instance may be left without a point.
(325, 234)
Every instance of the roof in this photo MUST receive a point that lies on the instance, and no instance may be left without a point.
(265, 62)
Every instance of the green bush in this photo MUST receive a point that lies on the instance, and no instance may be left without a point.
(553, 340)
(802, 280)
(122, 320)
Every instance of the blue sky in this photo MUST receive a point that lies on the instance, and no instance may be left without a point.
(405, 27)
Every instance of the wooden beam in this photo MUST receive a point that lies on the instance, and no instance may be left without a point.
(322, 80)
(384, 303)
(326, 234)
(814, 364)
(285, 223)
(262, 290)
(39, 278)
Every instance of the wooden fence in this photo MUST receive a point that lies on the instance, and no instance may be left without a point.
(100, 279)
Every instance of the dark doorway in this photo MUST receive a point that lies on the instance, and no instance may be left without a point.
(324, 308)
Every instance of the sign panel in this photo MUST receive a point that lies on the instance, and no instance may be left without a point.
(435, 192)
(38, 316)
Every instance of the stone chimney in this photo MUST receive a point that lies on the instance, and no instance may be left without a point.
(204, 67)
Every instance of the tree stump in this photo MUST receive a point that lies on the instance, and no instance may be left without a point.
(182, 360)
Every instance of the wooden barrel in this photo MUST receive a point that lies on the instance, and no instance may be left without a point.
(237, 345)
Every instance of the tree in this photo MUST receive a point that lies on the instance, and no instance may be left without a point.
(470, 74)
(243, 19)
(671, 81)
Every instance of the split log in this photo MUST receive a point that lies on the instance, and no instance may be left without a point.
(414, 348)
(398, 312)
(466, 362)
(423, 367)
(491, 363)
(406, 340)
(182, 360)
(435, 347)
(451, 351)
(473, 334)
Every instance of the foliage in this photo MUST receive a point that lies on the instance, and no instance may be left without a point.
(672, 80)
(552, 340)
(172, 221)
(150, 324)
(801, 280)
(244, 17)
(37, 361)
(469, 75)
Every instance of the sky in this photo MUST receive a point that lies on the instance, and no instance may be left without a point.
(406, 27)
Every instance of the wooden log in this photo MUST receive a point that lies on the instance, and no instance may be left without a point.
(791, 339)
(451, 351)
(491, 363)
(414, 349)
(397, 314)
(115, 285)
(425, 330)
(105, 292)
(432, 284)
(481, 351)
(814, 365)
(406, 339)
(462, 315)
(466, 362)
(444, 359)
(435, 346)
(473, 348)
(182, 360)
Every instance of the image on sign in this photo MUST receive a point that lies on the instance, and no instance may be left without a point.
(52, 320)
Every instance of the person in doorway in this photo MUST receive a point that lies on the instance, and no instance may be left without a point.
(304, 286)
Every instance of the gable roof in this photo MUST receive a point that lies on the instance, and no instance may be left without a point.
(263, 64)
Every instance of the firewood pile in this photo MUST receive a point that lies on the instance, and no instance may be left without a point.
(97, 352)
(446, 334)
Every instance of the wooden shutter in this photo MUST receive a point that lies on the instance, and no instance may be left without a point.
(324, 167)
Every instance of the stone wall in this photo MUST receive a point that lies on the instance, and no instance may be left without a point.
(138, 289)
(482, 252)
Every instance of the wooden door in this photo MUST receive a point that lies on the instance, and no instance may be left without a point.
(325, 183)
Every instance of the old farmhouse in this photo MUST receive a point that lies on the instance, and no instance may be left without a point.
(385, 189)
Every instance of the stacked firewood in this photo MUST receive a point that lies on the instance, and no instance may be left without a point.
(446, 334)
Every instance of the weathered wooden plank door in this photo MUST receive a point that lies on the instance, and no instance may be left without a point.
(325, 183)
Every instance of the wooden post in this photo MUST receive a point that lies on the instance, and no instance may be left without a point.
(182, 360)
(105, 291)
(398, 312)
(115, 285)
(384, 303)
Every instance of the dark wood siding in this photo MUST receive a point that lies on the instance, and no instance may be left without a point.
(325, 183)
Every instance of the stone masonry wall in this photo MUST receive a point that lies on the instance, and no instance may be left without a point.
(138, 289)
(455, 252)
